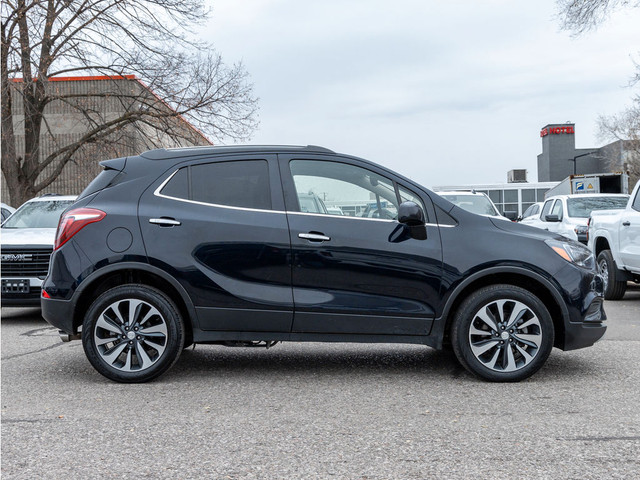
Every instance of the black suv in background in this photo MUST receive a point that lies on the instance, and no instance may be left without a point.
(211, 245)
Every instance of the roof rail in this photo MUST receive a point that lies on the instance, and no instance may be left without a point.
(317, 148)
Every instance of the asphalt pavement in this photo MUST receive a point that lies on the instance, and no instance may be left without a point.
(343, 411)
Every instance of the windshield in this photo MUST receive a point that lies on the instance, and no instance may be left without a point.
(38, 215)
(583, 206)
(473, 203)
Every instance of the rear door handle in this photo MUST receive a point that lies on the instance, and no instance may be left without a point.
(165, 222)
(626, 224)
(314, 237)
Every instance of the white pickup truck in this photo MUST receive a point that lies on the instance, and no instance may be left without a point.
(614, 239)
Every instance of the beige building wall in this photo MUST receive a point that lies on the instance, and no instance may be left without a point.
(66, 121)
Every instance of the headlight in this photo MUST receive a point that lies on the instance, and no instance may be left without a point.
(581, 229)
(573, 252)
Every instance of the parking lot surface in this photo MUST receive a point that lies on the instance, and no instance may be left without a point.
(320, 411)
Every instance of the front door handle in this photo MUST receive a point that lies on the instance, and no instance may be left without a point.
(314, 237)
(165, 222)
(627, 223)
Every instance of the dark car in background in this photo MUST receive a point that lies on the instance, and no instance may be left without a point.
(219, 245)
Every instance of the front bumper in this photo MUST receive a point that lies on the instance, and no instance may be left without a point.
(589, 331)
(585, 325)
(16, 294)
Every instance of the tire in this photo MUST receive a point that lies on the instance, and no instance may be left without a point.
(132, 347)
(613, 289)
(502, 333)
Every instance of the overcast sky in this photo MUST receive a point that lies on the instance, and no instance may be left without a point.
(443, 92)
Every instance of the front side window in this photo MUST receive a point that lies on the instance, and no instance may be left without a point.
(636, 201)
(242, 183)
(407, 196)
(557, 209)
(333, 188)
(546, 210)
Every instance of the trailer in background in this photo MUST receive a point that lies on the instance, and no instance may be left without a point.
(617, 182)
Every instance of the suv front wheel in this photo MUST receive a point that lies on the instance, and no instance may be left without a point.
(132, 333)
(502, 333)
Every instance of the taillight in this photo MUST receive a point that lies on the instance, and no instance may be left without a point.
(75, 220)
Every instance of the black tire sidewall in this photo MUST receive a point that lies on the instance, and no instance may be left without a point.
(615, 289)
(175, 332)
(465, 315)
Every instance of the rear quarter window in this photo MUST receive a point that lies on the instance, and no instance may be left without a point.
(104, 179)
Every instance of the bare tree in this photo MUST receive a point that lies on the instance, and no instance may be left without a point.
(177, 77)
(578, 17)
(625, 127)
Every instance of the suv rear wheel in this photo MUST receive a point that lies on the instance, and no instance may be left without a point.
(502, 333)
(132, 333)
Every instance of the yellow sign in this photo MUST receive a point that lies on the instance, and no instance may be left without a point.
(590, 187)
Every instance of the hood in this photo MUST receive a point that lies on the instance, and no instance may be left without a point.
(28, 236)
(523, 230)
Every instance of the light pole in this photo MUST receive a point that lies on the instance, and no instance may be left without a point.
(576, 157)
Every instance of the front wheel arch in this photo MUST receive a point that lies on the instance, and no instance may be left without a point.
(518, 277)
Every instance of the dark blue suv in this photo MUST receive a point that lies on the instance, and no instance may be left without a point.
(216, 245)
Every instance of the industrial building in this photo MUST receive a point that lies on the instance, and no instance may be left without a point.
(83, 102)
(559, 159)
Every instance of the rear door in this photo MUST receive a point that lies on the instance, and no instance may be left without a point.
(357, 273)
(218, 226)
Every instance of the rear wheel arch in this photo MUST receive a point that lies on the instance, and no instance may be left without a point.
(110, 277)
(519, 277)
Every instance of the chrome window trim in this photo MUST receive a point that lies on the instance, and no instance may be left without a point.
(195, 202)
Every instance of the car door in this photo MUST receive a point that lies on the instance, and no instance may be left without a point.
(630, 234)
(218, 226)
(358, 273)
(552, 207)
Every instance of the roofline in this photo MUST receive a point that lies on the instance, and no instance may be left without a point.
(81, 78)
(179, 152)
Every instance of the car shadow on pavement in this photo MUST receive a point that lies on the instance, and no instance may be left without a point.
(314, 361)
(21, 315)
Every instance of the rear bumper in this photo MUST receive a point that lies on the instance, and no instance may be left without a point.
(58, 313)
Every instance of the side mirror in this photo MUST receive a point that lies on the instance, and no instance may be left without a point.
(410, 214)
(513, 216)
(551, 218)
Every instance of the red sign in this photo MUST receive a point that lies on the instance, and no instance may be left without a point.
(556, 130)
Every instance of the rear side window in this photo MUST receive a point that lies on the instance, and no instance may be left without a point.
(236, 184)
(104, 179)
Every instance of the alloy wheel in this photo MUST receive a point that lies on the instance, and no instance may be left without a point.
(130, 335)
(603, 270)
(505, 335)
